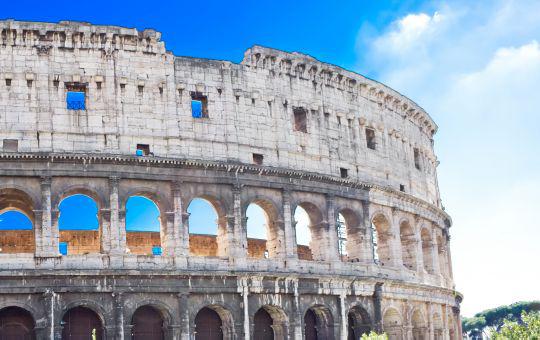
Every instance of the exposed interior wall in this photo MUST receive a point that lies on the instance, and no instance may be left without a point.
(142, 242)
(81, 241)
(17, 241)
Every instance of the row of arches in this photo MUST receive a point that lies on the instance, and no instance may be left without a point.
(212, 322)
(419, 326)
(79, 221)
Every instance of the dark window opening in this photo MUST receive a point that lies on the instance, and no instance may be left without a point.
(10, 145)
(339, 120)
(8, 82)
(76, 96)
(56, 83)
(370, 139)
(140, 88)
(98, 85)
(143, 150)
(258, 158)
(199, 105)
(416, 158)
(344, 172)
(252, 101)
(29, 83)
(300, 119)
(122, 87)
(219, 91)
(237, 99)
(402, 187)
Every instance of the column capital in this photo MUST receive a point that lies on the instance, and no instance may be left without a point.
(105, 214)
(185, 217)
(169, 216)
(46, 181)
(176, 186)
(237, 188)
(114, 181)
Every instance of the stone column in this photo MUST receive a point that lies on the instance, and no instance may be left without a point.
(181, 226)
(296, 321)
(183, 305)
(244, 287)
(377, 308)
(168, 236)
(367, 245)
(118, 315)
(238, 246)
(396, 257)
(38, 223)
(105, 226)
(435, 253)
(117, 227)
(47, 329)
(291, 251)
(331, 251)
(343, 316)
(408, 330)
(49, 236)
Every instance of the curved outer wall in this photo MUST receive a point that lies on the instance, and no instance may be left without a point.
(138, 93)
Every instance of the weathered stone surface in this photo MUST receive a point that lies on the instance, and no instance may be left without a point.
(138, 93)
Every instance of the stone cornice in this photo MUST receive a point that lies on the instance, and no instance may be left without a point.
(222, 166)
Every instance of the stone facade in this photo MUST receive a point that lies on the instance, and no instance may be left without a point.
(279, 129)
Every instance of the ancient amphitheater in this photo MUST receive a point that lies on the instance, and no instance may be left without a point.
(108, 113)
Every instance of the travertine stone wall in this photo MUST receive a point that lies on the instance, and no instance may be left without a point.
(396, 274)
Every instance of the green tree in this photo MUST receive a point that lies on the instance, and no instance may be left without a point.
(527, 328)
(374, 336)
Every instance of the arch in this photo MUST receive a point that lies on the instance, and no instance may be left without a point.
(392, 323)
(309, 229)
(270, 322)
(213, 322)
(443, 255)
(408, 245)
(207, 224)
(437, 326)
(418, 324)
(380, 226)
(98, 199)
(82, 323)
(17, 232)
(78, 224)
(358, 322)
(143, 226)
(350, 235)
(16, 323)
(427, 254)
(318, 323)
(264, 232)
(147, 324)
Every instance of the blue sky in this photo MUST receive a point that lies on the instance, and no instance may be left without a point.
(474, 66)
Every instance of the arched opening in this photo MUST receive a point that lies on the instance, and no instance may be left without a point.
(143, 226)
(207, 228)
(16, 222)
(147, 324)
(408, 245)
(318, 324)
(437, 327)
(309, 232)
(258, 233)
(81, 323)
(208, 325)
(16, 324)
(350, 236)
(341, 228)
(392, 324)
(263, 325)
(418, 323)
(381, 239)
(443, 256)
(303, 234)
(427, 254)
(78, 225)
(358, 323)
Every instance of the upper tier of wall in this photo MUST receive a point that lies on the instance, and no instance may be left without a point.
(138, 93)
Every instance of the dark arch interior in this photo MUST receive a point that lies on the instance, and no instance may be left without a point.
(16, 324)
(263, 325)
(358, 323)
(208, 325)
(147, 324)
(81, 323)
(318, 324)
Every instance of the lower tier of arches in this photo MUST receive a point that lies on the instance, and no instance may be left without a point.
(173, 307)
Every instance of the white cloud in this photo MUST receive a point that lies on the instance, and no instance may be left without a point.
(475, 66)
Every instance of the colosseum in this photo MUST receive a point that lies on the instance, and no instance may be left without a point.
(107, 113)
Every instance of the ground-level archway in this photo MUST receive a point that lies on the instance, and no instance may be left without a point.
(318, 324)
(208, 325)
(16, 324)
(358, 323)
(81, 323)
(270, 322)
(147, 324)
(262, 329)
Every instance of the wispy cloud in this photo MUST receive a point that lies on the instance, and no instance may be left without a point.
(475, 66)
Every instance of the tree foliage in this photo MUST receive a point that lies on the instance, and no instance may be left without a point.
(374, 336)
(527, 328)
(495, 317)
